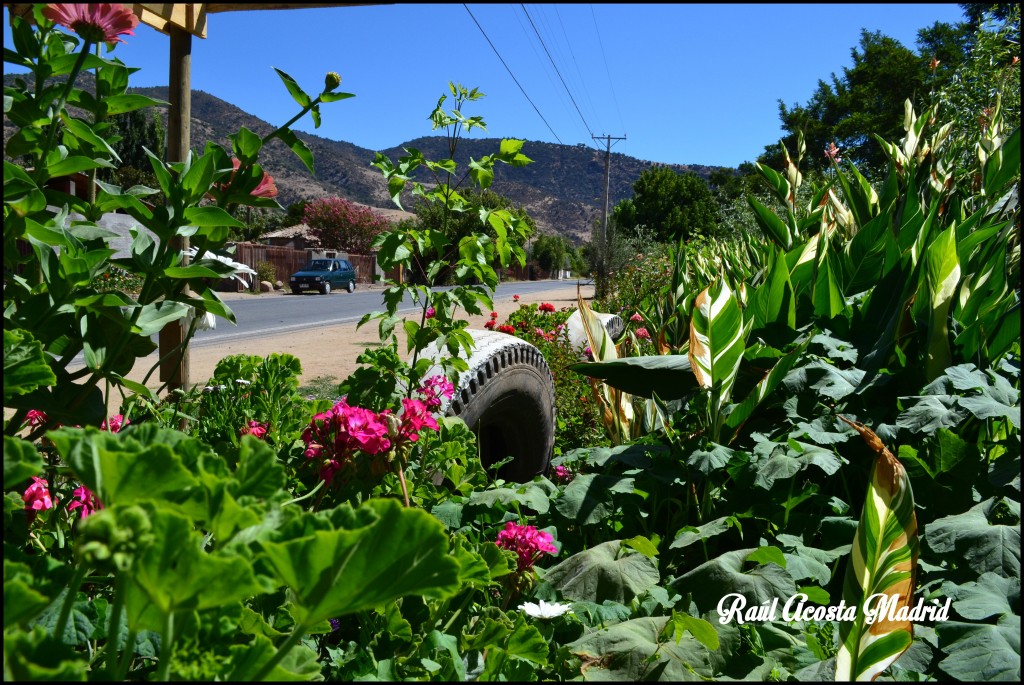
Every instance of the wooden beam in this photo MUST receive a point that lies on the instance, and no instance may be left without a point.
(174, 364)
(190, 17)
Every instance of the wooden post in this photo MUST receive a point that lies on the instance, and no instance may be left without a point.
(175, 369)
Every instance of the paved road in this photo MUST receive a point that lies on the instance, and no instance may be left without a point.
(294, 313)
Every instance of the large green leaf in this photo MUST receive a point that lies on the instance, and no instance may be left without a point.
(25, 368)
(986, 537)
(174, 574)
(725, 574)
(667, 376)
(386, 551)
(604, 572)
(637, 650)
(941, 269)
(980, 652)
(21, 461)
(588, 498)
(883, 563)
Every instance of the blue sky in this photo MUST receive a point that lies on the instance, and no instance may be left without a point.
(685, 83)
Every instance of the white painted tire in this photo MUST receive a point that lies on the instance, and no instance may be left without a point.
(507, 397)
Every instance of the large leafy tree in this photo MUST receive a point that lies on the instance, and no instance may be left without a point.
(550, 251)
(866, 99)
(671, 205)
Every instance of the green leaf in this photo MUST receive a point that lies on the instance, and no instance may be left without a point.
(119, 469)
(25, 367)
(299, 665)
(981, 539)
(21, 461)
(21, 601)
(386, 552)
(724, 574)
(296, 92)
(211, 217)
(991, 595)
(300, 149)
(157, 315)
(980, 652)
(602, 573)
(691, 534)
(588, 498)
(774, 227)
(246, 146)
(668, 376)
(174, 574)
(765, 555)
(698, 627)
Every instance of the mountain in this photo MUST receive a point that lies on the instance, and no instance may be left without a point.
(562, 190)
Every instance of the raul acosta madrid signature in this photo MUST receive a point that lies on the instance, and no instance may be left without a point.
(878, 607)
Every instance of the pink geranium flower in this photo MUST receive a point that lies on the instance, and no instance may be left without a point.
(643, 334)
(114, 424)
(99, 22)
(636, 318)
(85, 499)
(435, 389)
(415, 417)
(527, 542)
(35, 418)
(431, 313)
(563, 474)
(37, 497)
(255, 429)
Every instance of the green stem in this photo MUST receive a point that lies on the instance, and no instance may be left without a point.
(41, 166)
(69, 601)
(282, 651)
(306, 496)
(115, 623)
(166, 649)
(126, 656)
(305, 110)
(462, 605)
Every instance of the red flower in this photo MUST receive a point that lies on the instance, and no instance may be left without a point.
(431, 313)
(505, 328)
(490, 324)
(35, 418)
(95, 22)
(515, 298)
(265, 188)
(547, 307)
(494, 315)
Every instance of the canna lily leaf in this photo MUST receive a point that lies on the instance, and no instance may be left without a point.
(717, 342)
(883, 561)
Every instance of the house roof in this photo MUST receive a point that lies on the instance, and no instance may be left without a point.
(296, 231)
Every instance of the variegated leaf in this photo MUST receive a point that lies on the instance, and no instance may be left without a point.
(883, 562)
(717, 342)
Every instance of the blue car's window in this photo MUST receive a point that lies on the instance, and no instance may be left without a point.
(319, 265)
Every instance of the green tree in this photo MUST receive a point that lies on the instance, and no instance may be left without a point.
(549, 251)
(671, 205)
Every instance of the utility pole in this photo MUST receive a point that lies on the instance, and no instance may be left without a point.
(601, 285)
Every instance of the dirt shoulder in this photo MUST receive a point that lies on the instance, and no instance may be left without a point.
(329, 351)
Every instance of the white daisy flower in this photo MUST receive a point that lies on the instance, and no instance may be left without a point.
(544, 609)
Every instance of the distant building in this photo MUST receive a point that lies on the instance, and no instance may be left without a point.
(299, 236)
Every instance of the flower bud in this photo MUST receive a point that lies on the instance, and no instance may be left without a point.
(331, 81)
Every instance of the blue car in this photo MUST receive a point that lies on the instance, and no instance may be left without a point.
(323, 275)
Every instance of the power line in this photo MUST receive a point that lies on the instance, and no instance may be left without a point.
(512, 75)
(585, 124)
(572, 53)
(606, 70)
